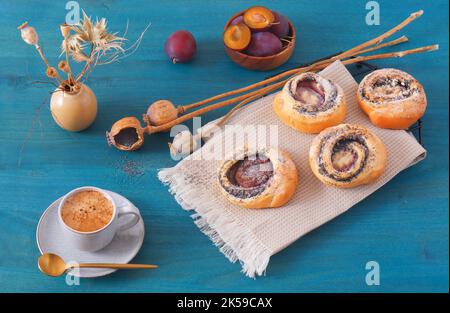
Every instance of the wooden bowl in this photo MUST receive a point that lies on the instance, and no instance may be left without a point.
(261, 63)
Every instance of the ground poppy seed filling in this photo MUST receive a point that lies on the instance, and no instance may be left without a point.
(389, 88)
(257, 179)
(348, 156)
(249, 177)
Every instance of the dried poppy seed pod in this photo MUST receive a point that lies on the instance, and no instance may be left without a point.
(29, 34)
(126, 134)
(51, 72)
(160, 112)
(65, 29)
(183, 145)
(64, 66)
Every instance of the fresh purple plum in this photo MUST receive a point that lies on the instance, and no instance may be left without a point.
(180, 46)
(237, 20)
(264, 44)
(280, 26)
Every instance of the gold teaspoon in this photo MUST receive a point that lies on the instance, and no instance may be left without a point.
(53, 265)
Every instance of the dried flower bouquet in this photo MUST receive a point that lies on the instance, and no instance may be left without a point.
(104, 48)
(73, 104)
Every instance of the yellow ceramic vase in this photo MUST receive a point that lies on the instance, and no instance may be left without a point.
(74, 111)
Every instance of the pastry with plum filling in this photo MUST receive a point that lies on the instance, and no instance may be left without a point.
(310, 103)
(266, 178)
(391, 98)
(347, 156)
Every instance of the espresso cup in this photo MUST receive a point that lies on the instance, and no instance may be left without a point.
(123, 218)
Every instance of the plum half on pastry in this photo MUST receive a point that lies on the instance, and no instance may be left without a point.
(391, 98)
(255, 180)
(310, 103)
(347, 156)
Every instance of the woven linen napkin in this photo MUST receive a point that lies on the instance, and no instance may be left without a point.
(253, 235)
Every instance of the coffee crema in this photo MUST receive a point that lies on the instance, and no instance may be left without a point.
(87, 211)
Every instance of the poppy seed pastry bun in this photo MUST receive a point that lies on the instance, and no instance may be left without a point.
(391, 98)
(310, 103)
(256, 180)
(347, 156)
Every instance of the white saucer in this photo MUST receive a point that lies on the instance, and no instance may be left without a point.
(123, 248)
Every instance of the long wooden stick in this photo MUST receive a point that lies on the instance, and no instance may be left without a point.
(379, 39)
(227, 116)
(386, 44)
(397, 54)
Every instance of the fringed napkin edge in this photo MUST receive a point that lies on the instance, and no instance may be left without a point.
(234, 240)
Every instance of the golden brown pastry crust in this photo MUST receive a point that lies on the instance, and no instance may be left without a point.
(276, 191)
(305, 117)
(347, 156)
(391, 98)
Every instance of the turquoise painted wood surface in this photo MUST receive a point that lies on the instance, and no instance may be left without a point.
(404, 226)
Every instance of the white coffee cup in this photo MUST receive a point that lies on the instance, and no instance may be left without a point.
(100, 238)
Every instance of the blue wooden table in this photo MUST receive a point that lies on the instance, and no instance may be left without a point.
(404, 226)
